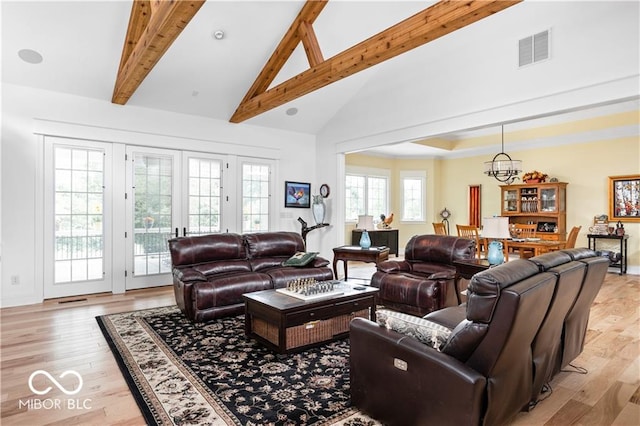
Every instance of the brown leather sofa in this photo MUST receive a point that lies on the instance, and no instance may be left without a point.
(212, 272)
(425, 280)
(522, 321)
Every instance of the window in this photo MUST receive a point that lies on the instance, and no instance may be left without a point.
(367, 193)
(78, 207)
(205, 183)
(255, 197)
(413, 196)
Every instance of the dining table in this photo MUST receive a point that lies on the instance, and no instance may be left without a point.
(538, 246)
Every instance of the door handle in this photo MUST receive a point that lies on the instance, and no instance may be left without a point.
(176, 232)
(184, 231)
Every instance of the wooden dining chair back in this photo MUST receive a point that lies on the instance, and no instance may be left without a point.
(471, 232)
(573, 236)
(524, 230)
(439, 228)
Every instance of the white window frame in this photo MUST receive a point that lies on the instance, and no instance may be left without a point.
(420, 175)
(369, 172)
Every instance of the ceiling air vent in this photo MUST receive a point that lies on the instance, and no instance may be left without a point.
(534, 48)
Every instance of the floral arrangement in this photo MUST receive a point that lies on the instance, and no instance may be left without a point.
(534, 176)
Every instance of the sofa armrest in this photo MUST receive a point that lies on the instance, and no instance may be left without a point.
(392, 375)
(390, 266)
(188, 275)
(443, 275)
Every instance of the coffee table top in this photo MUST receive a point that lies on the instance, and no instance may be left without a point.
(346, 249)
(284, 302)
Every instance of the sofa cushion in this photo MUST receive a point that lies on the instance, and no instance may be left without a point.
(439, 249)
(282, 275)
(428, 332)
(223, 267)
(300, 259)
(206, 248)
(273, 244)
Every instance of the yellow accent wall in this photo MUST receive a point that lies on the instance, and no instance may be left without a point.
(585, 166)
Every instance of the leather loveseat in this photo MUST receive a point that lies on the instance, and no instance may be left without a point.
(522, 322)
(212, 272)
(425, 280)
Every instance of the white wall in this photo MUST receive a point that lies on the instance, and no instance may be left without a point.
(27, 111)
(444, 87)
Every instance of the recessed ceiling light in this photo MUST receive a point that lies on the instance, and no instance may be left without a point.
(30, 56)
(292, 111)
(218, 34)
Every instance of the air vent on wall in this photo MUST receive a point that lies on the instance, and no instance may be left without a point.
(534, 48)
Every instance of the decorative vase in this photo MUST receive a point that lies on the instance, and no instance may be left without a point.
(365, 240)
(495, 256)
(318, 209)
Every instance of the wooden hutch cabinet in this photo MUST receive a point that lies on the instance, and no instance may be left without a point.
(541, 203)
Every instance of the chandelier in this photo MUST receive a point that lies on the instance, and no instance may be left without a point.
(502, 167)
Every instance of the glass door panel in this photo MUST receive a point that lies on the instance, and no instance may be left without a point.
(153, 215)
(204, 194)
(77, 253)
(548, 200)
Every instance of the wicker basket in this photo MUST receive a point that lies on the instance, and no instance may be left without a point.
(307, 333)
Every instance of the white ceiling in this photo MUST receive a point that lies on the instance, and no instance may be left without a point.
(81, 43)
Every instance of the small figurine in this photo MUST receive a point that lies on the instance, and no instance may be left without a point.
(620, 229)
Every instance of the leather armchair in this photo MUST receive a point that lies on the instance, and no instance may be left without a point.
(425, 280)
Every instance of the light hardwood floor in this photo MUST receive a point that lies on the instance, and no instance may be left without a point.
(59, 335)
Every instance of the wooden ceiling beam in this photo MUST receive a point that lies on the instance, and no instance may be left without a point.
(437, 20)
(153, 27)
(310, 11)
(310, 43)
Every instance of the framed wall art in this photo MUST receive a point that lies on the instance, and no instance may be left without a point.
(297, 194)
(624, 198)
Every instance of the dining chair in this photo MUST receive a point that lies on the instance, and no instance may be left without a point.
(439, 228)
(573, 236)
(471, 232)
(525, 231)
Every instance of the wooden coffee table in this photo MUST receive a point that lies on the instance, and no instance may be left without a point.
(347, 253)
(286, 324)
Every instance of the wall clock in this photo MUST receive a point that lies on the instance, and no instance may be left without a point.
(324, 190)
(445, 214)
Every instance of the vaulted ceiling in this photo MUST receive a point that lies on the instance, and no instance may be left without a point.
(81, 43)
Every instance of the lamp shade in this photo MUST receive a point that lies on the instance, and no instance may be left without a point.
(496, 227)
(365, 222)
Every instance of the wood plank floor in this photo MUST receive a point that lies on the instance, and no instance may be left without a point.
(58, 335)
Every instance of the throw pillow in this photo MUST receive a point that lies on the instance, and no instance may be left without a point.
(300, 259)
(427, 332)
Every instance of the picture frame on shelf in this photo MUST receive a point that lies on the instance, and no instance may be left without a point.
(624, 198)
(297, 194)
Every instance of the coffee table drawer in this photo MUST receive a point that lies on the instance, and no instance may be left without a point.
(324, 312)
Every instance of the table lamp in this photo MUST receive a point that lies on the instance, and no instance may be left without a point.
(495, 228)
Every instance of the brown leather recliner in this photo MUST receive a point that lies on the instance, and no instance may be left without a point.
(212, 272)
(484, 373)
(523, 320)
(425, 280)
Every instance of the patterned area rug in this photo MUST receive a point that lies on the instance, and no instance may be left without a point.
(210, 374)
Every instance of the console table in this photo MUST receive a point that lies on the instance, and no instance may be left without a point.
(379, 238)
(623, 248)
(347, 253)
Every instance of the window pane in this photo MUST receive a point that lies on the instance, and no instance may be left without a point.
(204, 196)
(412, 199)
(377, 196)
(78, 210)
(355, 201)
(255, 197)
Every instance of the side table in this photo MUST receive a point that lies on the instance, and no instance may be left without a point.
(347, 253)
(466, 269)
(623, 248)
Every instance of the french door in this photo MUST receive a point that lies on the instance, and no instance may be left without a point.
(78, 200)
(92, 235)
(169, 194)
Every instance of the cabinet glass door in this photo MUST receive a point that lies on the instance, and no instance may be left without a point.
(548, 200)
(510, 201)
